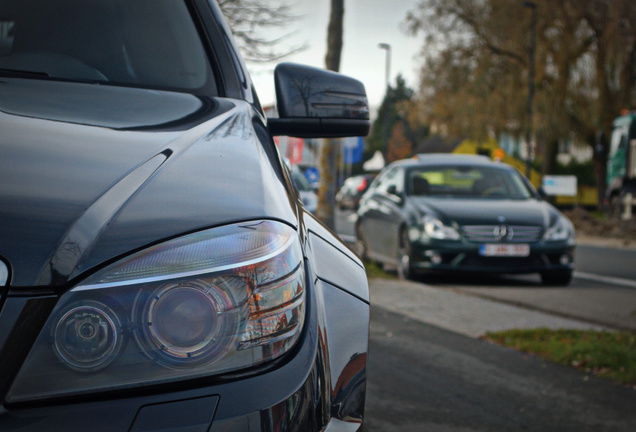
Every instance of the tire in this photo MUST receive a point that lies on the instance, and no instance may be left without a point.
(556, 278)
(405, 268)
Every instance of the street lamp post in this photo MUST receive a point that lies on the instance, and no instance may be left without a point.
(531, 49)
(387, 47)
(385, 131)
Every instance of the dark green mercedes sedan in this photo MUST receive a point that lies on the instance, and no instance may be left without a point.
(467, 213)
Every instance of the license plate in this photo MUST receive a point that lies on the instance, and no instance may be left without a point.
(509, 250)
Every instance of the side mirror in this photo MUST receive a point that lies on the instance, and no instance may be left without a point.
(542, 194)
(316, 103)
(394, 194)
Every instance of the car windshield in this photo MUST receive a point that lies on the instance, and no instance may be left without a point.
(146, 43)
(467, 182)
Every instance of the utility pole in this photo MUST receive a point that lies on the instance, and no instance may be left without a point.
(387, 63)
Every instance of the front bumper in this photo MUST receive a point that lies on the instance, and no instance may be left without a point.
(315, 387)
(465, 256)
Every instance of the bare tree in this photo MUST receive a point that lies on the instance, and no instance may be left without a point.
(475, 83)
(257, 24)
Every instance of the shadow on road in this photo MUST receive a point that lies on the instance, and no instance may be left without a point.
(481, 280)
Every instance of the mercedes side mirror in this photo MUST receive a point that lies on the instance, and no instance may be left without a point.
(542, 193)
(316, 103)
(395, 194)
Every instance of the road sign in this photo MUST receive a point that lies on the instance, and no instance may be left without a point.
(560, 185)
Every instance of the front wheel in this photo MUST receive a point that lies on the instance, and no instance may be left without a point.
(556, 277)
(405, 268)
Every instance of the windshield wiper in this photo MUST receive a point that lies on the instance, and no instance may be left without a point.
(23, 73)
(15, 73)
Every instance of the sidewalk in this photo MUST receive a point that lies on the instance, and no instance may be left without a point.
(468, 315)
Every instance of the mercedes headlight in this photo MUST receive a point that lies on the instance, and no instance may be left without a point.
(211, 302)
(434, 228)
(561, 230)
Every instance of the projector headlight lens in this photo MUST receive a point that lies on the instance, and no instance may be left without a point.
(88, 336)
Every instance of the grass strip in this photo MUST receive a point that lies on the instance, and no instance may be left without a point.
(610, 355)
(376, 271)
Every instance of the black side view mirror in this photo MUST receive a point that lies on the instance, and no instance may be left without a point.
(542, 193)
(316, 103)
(394, 194)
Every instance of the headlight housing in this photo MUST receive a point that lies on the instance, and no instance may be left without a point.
(207, 303)
(434, 228)
(560, 231)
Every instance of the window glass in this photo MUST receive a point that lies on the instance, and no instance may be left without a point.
(151, 43)
(394, 177)
(619, 137)
(7, 32)
(379, 180)
(466, 181)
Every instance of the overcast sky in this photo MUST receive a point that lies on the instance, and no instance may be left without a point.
(367, 23)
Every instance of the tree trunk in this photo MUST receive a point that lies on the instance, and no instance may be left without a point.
(334, 35)
(599, 159)
(331, 147)
(550, 152)
(607, 112)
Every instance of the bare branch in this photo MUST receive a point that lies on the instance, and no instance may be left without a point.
(256, 25)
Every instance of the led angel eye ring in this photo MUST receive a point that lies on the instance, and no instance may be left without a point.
(88, 336)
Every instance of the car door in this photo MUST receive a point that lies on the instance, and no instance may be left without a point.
(383, 215)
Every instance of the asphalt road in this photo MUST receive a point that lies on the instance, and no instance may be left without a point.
(586, 298)
(424, 378)
(606, 261)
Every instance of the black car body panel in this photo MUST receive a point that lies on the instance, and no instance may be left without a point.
(93, 173)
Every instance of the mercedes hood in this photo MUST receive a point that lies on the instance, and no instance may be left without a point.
(485, 211)
(110, 172)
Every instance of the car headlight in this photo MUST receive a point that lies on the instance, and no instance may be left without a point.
(211, 302)
(434, 228)
(561, 230)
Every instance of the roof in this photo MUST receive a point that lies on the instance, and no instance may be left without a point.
(431, 159)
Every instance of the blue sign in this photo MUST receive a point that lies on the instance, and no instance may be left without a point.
(353, 149)
(312, 175)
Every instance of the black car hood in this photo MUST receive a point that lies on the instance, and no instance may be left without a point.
(529, 212)
(78, 189)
